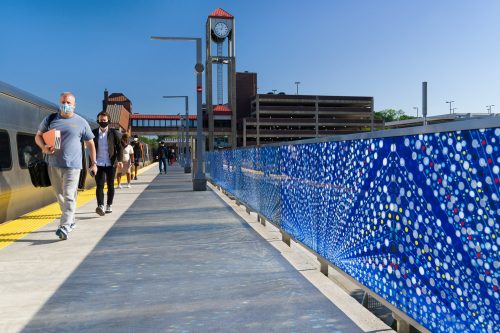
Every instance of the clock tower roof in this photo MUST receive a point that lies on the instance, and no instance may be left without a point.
(221, 13)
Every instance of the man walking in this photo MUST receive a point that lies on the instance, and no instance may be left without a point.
(162, 156)
(109, 155)
(65, 163)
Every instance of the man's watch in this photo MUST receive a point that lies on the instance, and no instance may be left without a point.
(92, 164)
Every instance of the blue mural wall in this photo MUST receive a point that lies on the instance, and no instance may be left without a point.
(413, 218)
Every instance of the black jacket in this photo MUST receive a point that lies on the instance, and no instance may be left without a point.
(115, 149)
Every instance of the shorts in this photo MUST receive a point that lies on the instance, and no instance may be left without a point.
(125, 168)
(137, 161)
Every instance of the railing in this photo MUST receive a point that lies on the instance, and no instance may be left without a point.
(411, 214)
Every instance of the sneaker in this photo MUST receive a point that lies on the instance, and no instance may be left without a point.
(119, 186)
(100, 210)
(135, 178)
(62, 233)
(128, 185)
(72, 227)
(108, 209)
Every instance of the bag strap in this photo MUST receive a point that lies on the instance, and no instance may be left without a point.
(51, 117)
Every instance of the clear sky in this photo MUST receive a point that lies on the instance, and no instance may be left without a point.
(379, 48)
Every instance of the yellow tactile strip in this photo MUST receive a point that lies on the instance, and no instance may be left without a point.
(13, 230)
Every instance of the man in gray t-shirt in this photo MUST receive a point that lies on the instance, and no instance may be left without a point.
(65, 163)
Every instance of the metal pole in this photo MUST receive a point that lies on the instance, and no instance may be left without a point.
(199, 181)
(424, 101)
(187, 166)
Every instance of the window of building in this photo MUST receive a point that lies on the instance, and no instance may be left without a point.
(134, 122)
(5, 154)
(27, 150)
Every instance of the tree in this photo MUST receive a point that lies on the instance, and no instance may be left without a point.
(391, 115)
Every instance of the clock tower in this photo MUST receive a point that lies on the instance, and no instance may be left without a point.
(220, 33)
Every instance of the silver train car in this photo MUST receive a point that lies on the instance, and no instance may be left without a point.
(20, 115)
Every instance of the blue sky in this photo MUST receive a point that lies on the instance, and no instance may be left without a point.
(379, 48)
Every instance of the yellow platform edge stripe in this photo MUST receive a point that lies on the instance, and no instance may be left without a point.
(11, 231)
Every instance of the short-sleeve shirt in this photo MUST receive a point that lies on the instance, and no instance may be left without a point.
(74, 130)
(127, 151)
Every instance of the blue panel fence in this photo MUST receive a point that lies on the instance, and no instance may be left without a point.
(414, 218)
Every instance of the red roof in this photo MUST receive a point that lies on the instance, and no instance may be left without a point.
(159, 116)
(118, 97)
(221, 108)
(221, 13)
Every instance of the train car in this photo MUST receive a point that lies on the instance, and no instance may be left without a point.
(20, 115)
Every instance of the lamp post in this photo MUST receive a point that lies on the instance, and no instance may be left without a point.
(199, 180)
(297, 84)
(185, 135)
(488, 107)
(179, 142)
(449, 102)
(416, 107)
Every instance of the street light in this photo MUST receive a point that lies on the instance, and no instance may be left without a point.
(179, 143)
(199, 180)
(453, 110)
(185, 144)
(449, 102)
(488, 107)
(416, 107)
(297, 83)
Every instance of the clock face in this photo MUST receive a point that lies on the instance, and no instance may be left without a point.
(221, 30)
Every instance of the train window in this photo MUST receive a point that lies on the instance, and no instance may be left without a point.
(5, 154)
(27, 149)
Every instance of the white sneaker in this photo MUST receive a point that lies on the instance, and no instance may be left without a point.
(119, 186)
(100, 210)
(108, 209)
(128, 185)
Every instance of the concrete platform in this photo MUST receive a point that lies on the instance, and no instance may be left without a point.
(167, 260)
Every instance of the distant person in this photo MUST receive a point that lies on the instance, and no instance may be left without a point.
(172, 156)
(162, 156)
(109, 155)
(128, 160)
(65, 163)
(138, 154)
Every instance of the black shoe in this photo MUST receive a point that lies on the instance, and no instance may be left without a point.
(62, 233)
(135, 178)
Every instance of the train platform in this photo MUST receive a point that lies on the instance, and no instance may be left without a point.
(169, 260)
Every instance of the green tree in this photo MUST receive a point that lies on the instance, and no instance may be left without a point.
(391, 115)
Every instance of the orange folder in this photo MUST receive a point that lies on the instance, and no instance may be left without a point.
(52, 138)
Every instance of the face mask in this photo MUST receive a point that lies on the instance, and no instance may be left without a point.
(103, 124)
(66, 108)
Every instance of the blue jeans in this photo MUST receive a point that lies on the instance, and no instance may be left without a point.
(164, 162)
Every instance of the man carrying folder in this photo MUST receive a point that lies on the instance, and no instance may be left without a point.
(65, 162)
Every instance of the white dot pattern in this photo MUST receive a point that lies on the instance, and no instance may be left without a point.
(414, 218)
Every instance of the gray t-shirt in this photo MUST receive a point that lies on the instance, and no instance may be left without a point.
(74, 130)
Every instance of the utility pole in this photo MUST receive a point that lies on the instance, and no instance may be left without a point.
(488, 107)
(297, 83)
(449, 102)
(416, 107)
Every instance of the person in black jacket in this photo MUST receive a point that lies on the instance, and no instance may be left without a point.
(109, 155)
(162, 156)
